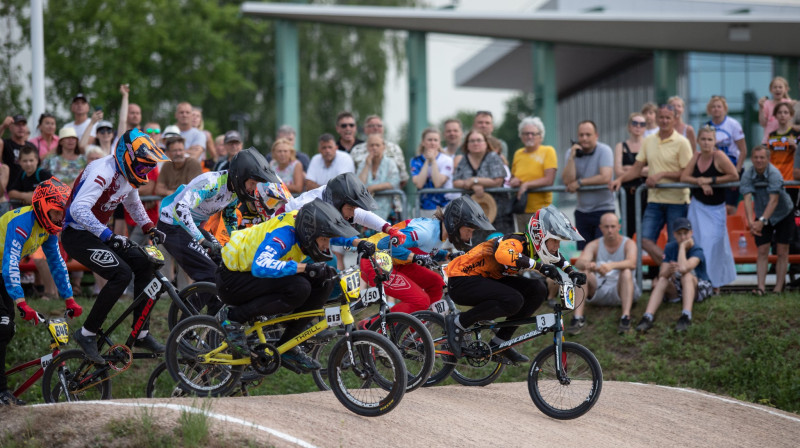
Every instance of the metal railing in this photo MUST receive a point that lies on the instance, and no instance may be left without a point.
(396, 192)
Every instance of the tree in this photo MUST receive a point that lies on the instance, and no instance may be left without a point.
(10, 73)
(517, 108)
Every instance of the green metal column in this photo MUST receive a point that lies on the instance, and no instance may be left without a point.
(665, 75)
(545, 90)
(287, 80)
(787, 67)
(417, 96)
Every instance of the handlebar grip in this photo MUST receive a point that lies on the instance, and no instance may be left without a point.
(40, 317)
(394, 241)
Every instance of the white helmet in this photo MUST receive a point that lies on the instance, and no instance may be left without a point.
(549, 223)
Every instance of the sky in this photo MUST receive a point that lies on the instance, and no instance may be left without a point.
(447, 52)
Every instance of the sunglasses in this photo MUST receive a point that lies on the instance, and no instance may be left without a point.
(639, 124)
(153, 130)
(105, 131)
(531, 134)
(347, 125)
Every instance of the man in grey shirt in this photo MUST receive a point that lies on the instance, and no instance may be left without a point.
(195, 139)
(589, 162)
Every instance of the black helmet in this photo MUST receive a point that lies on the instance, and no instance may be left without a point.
(316, 219)
(347, 188)
(249, 164)
(462, 212)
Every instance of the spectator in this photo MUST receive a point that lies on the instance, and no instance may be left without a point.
(288, 132)
(199, 124)
(346, 128)
(624, 156)
(609, 263)
(589, 162)
(453, 134)
(484, 122)
(782, 143)
(47, 141)
(80, 114)
(374, 125)
(707, 209)
(219, 143)
(194, 139)
(286, 165)
(68, 161)
(769, 213)
(20, 189)
(12, 146)
(730, 139)
(170, 131)
(431, 169)
(779, 88)
(649, 110)
(4, 205)
(682, 128)
(480, 169)
(329, 163)
(232, 144)
(93, 152)
(152, 129)
(105, 135)
(179, 171)
(379, 173)
(682, 277)
(130, 115)
(666, 154)
(533, 166)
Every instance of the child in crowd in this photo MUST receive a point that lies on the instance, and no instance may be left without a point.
(20, 190)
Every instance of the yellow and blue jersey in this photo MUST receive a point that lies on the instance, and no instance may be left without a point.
(267, 250)
(22, 235)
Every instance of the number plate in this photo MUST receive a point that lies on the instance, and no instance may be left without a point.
(334, 316)
(545, 321)
(351, 284)
(370, 295)
(440, 307)
(45, 360)
(152, 289)
(60, 331)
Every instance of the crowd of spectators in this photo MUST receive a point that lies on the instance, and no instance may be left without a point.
(660, 148)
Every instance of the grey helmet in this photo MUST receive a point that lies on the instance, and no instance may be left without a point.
(249, 164)
(347, 188)
(550, 223)
(316, 219)
(464, 212)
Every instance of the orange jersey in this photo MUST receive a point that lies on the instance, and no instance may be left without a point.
(215, 226)
(495, 258)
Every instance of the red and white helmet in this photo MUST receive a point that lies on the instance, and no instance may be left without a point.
(549, 223)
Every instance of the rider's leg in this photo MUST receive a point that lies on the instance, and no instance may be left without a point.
(400, 286)
(534, 292)
(488, 297)
(430, 282)
(192, 258)
(6, 330)
(316, 299)
(253, 296)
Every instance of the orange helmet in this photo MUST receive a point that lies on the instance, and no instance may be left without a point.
(136, 155)
(51, 194)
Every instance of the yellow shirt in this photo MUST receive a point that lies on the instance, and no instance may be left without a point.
(670, 154)
(529, 166)
(265, 245)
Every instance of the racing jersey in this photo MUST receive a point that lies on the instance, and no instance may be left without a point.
(728, 133)
(498, 257)
(360, 216)
(22, 235)
(194, 203)
(98, 190)
(423, 237)
(267, 250)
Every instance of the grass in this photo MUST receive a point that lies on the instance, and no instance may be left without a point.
(739, 346)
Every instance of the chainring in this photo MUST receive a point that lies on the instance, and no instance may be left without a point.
(265, 359)
(480, 353)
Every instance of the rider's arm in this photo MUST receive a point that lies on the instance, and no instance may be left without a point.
(58, 268)
(509, 252)
(369, 220)
(136, 209)
(16, 234)
(402, 251)
(304, 199)
(267, 261)
(564, 264)
(229, 217)
(190, 200)
(81, 209)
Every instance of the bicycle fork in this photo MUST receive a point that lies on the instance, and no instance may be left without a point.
(561, 357)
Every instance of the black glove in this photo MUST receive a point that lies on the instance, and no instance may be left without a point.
(455, 255)
(425, 261)
(578, 278)
(548, 270)
(212, 247)
(366, 248)
(118, 242)
(319, 271)
(157, 236)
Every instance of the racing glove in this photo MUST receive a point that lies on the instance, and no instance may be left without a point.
(425, 261)
(455, 255)
(73, 309)
(118, 242)
(26, 312)
(578, 278)
(366, 248)
(550, 271)
(320, 271)
(212, 247)
(157, 236)
(398, 237)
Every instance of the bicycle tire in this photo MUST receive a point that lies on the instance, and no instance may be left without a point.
(354, 385)
(196, 295)
(414, 342)
(565, 401)
(161, 385)
(321, 352)
(191, 337)
(72, 367)
(444, 362)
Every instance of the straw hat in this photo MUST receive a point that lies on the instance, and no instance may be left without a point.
(487, 203)
(67, 132)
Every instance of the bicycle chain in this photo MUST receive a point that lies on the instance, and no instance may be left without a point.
(129, 355)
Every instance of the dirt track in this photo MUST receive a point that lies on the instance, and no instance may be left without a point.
(501, 415)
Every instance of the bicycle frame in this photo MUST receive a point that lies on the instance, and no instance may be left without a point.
(59, 334)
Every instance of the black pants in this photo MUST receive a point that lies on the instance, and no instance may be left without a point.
(588, 225)
(254, 296)
(117, 268)
(189, 254)
(512, 297)
(630, 210)
(7, 330)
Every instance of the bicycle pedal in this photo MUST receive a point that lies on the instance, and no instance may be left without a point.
(293, 367)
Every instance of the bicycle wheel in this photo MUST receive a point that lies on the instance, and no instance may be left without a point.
(415, 343)
(478, 370)
(200, 296)
(321, 351)
(161, 385)
(82, 380)
(443, 362)
(574, 394)
(190, 338)
(354, 382)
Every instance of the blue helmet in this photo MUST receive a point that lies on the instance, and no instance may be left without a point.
(136, 155)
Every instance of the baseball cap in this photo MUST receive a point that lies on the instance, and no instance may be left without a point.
(171, 131)
(80, 96)
(104, 124)
(19, 118)
(232, 136)
(681, 223)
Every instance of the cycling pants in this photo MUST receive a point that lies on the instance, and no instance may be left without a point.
(414, 286)
(7, 329)
(254, 296)
(512, 297)
(117, 268)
